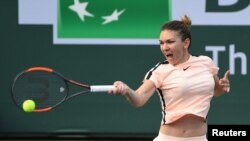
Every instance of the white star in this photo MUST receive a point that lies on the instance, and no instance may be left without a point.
(113, 17)
(80, 9)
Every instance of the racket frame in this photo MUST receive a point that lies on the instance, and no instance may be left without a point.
(49, 70)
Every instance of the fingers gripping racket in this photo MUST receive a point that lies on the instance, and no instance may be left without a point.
(47, 88)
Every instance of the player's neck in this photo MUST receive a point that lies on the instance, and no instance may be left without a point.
(185, 59)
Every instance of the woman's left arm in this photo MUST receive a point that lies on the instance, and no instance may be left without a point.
(222, 85)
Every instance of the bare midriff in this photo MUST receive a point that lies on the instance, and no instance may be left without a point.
(187, 126)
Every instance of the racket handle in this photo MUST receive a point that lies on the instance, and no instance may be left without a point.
(101, 88)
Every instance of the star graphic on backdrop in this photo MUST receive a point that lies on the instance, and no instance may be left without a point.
(80, 9)
(113, 17)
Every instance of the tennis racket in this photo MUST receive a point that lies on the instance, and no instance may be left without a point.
(47, 88)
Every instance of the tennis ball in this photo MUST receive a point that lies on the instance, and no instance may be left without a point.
(29, 105)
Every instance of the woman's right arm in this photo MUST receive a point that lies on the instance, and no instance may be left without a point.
(138, 97)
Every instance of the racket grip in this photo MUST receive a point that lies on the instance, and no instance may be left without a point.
(101, 88)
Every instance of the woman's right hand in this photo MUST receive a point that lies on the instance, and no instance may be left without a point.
(119, 88)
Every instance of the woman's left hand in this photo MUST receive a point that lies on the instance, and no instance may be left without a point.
(224, 82)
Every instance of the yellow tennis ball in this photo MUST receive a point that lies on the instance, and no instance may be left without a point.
(29, 105)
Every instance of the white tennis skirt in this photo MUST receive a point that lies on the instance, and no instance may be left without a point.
(164, 137)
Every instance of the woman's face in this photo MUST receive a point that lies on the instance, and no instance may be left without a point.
(173, 48)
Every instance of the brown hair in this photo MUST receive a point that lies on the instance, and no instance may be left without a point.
(183, 27)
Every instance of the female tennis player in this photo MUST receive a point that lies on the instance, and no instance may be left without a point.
(185, 83)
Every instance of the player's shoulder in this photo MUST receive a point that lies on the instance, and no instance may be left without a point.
(160, 65)
(202, 58)
(156, 70)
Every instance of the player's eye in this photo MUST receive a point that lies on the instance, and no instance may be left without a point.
(170, 41)
(167, 42)
(161, 42)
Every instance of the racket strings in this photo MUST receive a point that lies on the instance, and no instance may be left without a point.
(46, 89)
